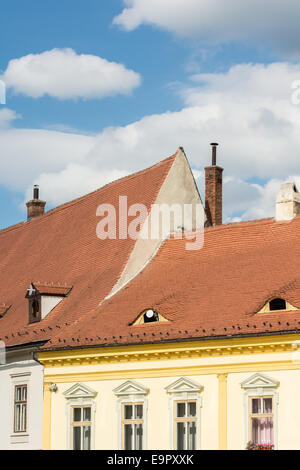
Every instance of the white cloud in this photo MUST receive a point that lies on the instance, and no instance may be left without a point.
(7, 116)
(63, 74)
(27, 153)
(73, 181)
(248, 110)
(269, 22)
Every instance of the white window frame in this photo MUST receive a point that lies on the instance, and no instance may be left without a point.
(78, 396)
(133, 393)
(23, 378)
(260, 386)
(132, 422)
(184, 390)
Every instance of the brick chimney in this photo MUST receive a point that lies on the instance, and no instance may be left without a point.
(35, 207)
(213, 190)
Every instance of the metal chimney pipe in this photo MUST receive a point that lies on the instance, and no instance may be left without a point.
(214, 153)
(36, 191)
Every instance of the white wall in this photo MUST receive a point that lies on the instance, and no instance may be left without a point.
(20, 367)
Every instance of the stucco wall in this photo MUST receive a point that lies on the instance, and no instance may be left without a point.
(158, 413)
(204, 371)
(21, 367)
(288, 410)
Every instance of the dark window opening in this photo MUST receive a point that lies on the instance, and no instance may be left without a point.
(35, 308)
(150, 316)
(277, 304)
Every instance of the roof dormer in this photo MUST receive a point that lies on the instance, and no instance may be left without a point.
(149, 316)
(43, 298)
(277, 304)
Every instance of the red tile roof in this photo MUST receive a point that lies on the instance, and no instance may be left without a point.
(62, 247)
(4, 309)
(213, 292)
(52, 289)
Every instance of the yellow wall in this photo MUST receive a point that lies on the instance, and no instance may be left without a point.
(219, 371)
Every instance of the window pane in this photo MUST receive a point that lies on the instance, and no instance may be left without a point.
(192, 409)
(86, 414)
(180, 410)
(256, 405)
(86, 437)
(77, 414)
(139, 411)
(138, 436)
(267, 405)
(266, 430)
(128, 437)
(191, 435)
(18, 393)
(23, 423)
(76, 438)
(24, 393)
(17, 418)
(255, 430)
(180, 436)
(128, 412)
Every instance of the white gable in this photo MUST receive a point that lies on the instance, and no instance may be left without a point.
(183, 385)
(259, 381)
(130, 388)
(80, 391)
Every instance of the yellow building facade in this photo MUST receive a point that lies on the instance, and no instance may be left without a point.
(220, 377)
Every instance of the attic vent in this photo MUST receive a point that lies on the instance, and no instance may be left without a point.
(150, 316)
(277, 304)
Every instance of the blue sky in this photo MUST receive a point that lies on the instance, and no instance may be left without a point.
(190, 75)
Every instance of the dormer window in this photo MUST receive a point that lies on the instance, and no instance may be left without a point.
(34, 304)
(149, 316)
(277, 304)
(43, 298)
(35, 308)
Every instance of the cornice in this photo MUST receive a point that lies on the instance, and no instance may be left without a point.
(170, 351)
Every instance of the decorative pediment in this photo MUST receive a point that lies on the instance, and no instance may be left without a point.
(259, 381)
(80, 391)
(130, 388)
(183, 385)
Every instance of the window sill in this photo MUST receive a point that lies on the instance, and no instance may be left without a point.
(19, 438)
